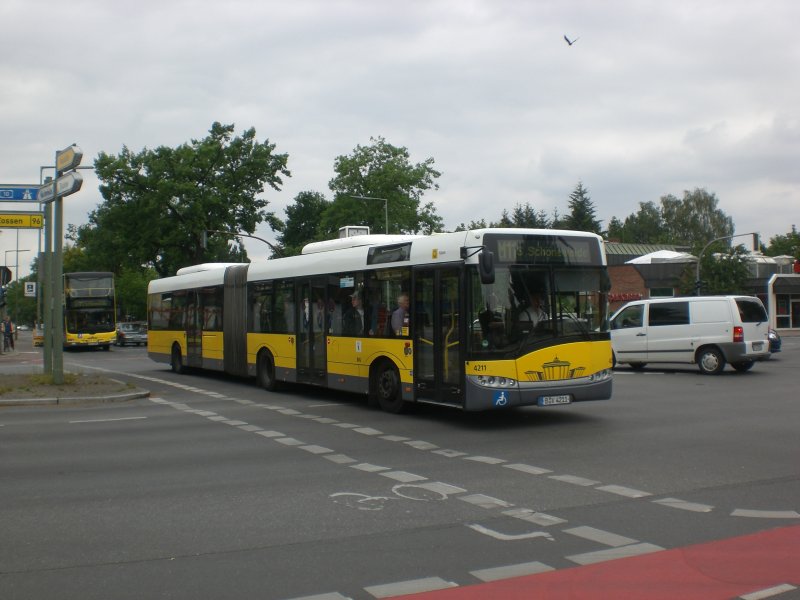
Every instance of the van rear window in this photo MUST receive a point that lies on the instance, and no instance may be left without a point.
(751, 311)
(669, 313)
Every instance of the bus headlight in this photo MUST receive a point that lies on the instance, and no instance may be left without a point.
(496, 382)
(600, 375)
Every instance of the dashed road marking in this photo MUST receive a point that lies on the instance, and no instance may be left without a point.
(499, 573)
(414, 586)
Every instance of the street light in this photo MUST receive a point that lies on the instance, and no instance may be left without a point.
(700, 256)
(385, 207)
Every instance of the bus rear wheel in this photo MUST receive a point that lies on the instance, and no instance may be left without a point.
(265, 371)
(386, 388)
(176, 362)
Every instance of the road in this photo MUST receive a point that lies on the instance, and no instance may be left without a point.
(213, 488)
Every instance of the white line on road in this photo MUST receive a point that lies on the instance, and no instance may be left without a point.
(109, 420)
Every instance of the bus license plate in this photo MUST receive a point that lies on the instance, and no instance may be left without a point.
(551, 400)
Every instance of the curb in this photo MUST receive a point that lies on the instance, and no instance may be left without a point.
(75, 399)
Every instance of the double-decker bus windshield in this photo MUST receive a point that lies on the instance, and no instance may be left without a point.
(89, 309)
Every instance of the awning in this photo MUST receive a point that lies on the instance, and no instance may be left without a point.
(786, 285)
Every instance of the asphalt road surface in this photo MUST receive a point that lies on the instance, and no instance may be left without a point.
(214, 488)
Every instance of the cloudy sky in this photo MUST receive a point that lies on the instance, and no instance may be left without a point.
(654, 98)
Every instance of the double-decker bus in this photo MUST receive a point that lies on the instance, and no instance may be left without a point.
(442, 318)
(89, 310)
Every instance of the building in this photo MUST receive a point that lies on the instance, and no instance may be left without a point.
(655, 270)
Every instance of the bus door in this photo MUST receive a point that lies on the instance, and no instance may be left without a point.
(194, 333)
(436, 326)
(311, 338)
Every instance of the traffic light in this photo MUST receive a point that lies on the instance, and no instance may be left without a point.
(5, 275)
(2, 297)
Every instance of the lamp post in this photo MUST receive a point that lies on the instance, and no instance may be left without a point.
(700, 256)
(385, 207)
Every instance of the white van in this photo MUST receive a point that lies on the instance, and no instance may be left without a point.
(707, 330)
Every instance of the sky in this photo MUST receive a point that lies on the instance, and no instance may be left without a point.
(653, 98)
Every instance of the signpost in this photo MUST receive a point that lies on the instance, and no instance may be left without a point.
(64, 184)
(19, 192)
(22, 220)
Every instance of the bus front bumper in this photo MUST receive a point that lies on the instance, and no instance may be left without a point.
(483, 397)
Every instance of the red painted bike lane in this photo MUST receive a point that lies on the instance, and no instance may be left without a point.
(720, 570)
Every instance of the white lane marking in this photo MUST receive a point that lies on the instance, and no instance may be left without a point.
(369, 468)
(445, 489)
(109, 420)
(684, 505)
(233, 422)
(530, 469)
(420, 445)
(450, 453)
(346, 425)
(623, 491)
(485, 501)
(414, 586)
(250, 428)
(589, 558)
(340, 459)
(573, 479)
(325, 420)
(367, 431)
(288, 411)
(499, 573)
(531, 516)
(217, 418)
(395, 438)
(769, 592)
(601, 537)
(765, 514)
(485, 459)
(271, 434)
(329, 596)
(403, 476)
(314, 449)
(289, 441)
(504, 537)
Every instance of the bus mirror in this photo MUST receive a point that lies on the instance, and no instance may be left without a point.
(486, 267)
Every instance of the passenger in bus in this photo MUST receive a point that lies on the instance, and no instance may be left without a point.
(356, 317)
(400, 316)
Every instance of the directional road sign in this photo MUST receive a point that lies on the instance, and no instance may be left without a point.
(68, 158)
(63, 186)
(19, 192)
(22, 220)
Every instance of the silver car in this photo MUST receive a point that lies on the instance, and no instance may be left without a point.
(131, 334)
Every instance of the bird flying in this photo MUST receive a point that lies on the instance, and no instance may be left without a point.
(569, 41)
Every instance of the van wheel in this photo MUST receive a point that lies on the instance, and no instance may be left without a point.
(710, 361)
(386, 388)
(265, 371)
(176, 362)
(743, 366)
(638, 366)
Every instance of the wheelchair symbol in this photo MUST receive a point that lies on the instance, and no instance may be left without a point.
(500, 399)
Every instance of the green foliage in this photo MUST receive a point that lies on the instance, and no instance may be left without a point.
(302, 222)
(22, 310)
(381, 171)
(785, 245)
(723, 270)
(131, 288)
(582, 213)
(158, 203)
(694, 220)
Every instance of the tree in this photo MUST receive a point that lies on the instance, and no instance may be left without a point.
(582, 213)
(131, 290)
(381, 171)
(646, 226)
(159, 203)
(695, 220)
(302, 222)
(785, 245)
(723, 270)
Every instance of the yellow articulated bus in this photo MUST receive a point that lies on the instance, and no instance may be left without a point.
(89, 310)
(482, 319)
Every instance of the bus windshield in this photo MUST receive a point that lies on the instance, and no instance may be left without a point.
(532, 306)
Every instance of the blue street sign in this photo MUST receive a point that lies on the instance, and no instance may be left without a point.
(14, 192)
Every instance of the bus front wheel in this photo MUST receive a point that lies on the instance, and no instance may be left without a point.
(265, 371)
(176, 362)
(386, 388)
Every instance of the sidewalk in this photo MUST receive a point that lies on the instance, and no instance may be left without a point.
(20, 386)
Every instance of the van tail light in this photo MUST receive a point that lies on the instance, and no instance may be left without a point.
(738, 334)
